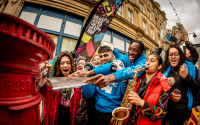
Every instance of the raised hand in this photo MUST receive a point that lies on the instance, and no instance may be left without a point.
(135, 99)
(43, 73)
(184, 38)
(183, 72)
(161, 43)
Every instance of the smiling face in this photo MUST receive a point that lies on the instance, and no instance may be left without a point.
(134, 51)
(65, 65)
(174, 57)
(80, 65)
(152, 64)
(96, 61)
(106, 57)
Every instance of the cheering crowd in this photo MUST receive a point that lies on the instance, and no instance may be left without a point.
(165, 93)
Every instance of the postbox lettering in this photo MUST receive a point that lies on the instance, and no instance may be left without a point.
(8, 81)
(15, 85)
(28, 85)
(22, 85)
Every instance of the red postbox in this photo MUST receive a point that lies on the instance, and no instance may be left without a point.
(22, 48)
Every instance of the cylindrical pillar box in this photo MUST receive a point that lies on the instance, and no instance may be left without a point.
(22, 48)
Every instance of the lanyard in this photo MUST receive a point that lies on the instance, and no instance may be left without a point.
(143, 85)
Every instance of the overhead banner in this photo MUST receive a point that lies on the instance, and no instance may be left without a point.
(96, 26)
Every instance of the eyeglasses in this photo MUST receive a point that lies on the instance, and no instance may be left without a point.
(175, 54)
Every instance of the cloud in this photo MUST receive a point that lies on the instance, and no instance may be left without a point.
(188, 12)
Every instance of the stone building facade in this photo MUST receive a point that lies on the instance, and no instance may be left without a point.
(64, 19)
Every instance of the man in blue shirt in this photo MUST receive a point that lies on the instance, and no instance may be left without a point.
(107, 98)
(133, 60)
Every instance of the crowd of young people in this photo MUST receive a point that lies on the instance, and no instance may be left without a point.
(154, 100)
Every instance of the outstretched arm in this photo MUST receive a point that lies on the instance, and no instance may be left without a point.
(128, 73)
(121, 75)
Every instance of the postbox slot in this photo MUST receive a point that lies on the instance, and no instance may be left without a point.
(31, 35)
(7, 25)
(16, 28)
(23, 31)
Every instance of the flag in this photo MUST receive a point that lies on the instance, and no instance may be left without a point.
(194, 117)
(96, 26)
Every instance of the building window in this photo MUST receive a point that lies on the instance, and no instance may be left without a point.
(142, 7)
(145, 26)
(119, 44)
(156, 22)
(158, 15)
(149, 14)
(153, 9)
(130, 16)
(120, 11)
(127, 46)
(158, 36)
(106, 38)
(58, 25)
(152, 34)
(49, 23)
(68, 44)
(28, 16)
(55, 39)
(69, 26)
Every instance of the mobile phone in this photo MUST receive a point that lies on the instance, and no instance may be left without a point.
(177, 91)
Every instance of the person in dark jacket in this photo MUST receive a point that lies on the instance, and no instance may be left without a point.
(186, 81)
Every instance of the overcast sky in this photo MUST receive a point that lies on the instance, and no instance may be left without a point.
(188, 12)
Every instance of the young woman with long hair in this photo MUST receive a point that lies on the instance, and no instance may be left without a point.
(57, 103)
(183, 92)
